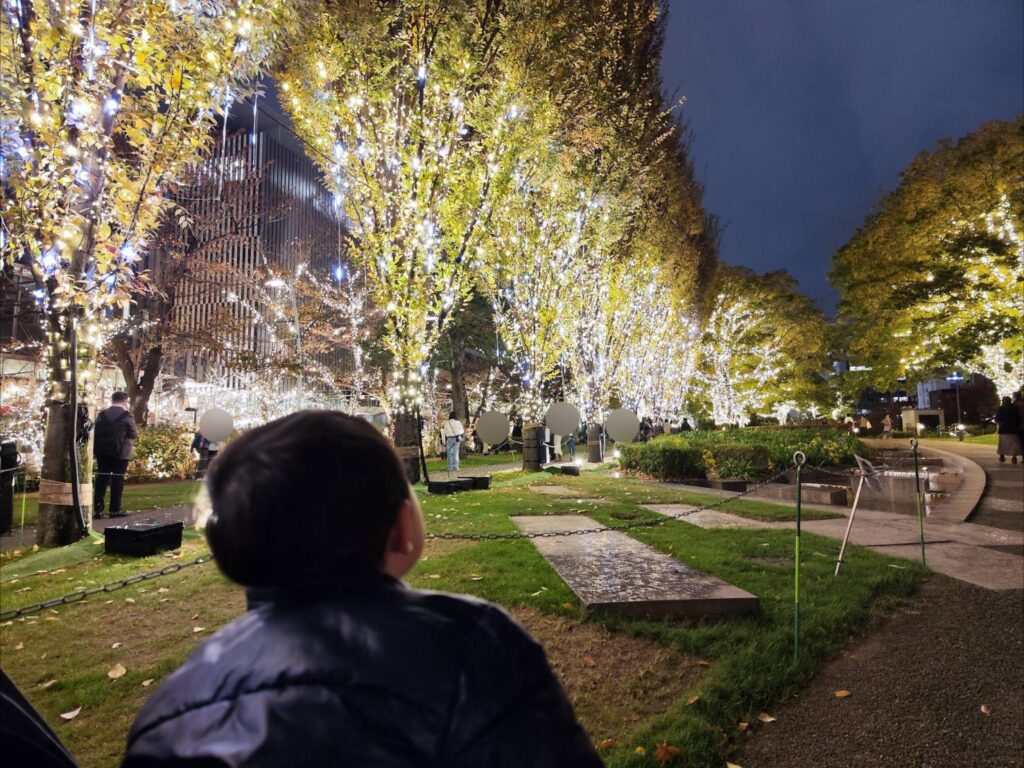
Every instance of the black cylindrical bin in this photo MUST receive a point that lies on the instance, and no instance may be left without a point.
(595, 446)
(8, 463)
(535, 452)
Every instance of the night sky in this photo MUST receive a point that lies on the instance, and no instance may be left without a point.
(804, 112)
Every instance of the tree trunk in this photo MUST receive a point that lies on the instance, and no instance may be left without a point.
(57, 524)
(406, 428)
(460, 402)
(144, 389)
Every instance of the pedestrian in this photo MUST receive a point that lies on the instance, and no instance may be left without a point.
(863, 424)
(454, 433)
(556, 447)
(686, 426)
(112, 447)
(336, 661)
(887, 427)
(1018, 403)
(201, 448)
(1008, 421)
(570, 444)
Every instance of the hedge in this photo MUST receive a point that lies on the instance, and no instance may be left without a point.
(752, 453)
(162, 453)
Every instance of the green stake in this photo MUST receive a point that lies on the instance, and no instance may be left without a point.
(917, 497)
(798, 459)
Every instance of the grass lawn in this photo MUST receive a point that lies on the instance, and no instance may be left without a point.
(437, 464)
(635, 682)
(140, 496)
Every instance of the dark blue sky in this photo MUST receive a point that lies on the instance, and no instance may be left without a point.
(804, 111)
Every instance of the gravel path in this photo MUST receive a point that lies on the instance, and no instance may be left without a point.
(917, 685)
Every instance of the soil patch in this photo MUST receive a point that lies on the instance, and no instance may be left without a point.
(917, 687)
(614, 682)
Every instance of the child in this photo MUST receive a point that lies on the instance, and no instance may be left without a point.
(337, 661)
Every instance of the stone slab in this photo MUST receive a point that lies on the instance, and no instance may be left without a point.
(613, 573)
(812, 493)
(706, 518)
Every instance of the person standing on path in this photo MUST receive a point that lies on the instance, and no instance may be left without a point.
(453, 433)
(1008, 419)
(887, 427)
(1018, 403)
(112, 447)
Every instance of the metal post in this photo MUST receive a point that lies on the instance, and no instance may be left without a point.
(917, 497)
(798, 458)
(849, 525)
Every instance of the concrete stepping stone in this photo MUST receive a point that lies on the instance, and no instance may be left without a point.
(614, 573)
(707, 518)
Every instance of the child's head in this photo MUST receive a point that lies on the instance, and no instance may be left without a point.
(317, 498)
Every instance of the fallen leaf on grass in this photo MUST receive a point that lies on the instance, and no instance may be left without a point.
(116, 671)
(604, 744)
(19, 647)
(693, 699)
(764, 717)
(129, 599)
(71, 715)
(163, 589)
(588, 661)
(743, 727)
(197, 630)
(539, 592)
(985, 710)
(434, 576)
(703, 663)
(640, 751)
(663, 753)
(47, 684)
(147, 682)
(842, 694)
(731, 765)
(116, 645)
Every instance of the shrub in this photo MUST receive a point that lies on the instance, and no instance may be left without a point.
(162, 453)
(752, 453)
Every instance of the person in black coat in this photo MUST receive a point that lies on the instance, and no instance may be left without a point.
(1008, 419)
(114, 431)
(337, 662)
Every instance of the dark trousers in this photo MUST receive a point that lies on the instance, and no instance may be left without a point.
(109, 471)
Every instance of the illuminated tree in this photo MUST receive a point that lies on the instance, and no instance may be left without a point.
(762, 342)
(935, 276)
(102, 104)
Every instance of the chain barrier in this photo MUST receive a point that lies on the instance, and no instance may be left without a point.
(81, 594)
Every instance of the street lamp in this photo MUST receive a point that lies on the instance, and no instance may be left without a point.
(956, 379)
(277, 282)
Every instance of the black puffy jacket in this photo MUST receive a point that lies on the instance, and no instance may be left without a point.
(387, 676)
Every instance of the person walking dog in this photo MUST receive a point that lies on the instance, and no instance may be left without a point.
(112, 446)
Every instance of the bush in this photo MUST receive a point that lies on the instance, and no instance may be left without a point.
(162, 453)
(752, 453)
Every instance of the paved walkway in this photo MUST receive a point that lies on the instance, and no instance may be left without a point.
(1002, 504)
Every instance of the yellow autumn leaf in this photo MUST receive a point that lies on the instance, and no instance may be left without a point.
(116, 671)
(842, 694)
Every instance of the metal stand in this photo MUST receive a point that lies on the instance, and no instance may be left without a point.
(798, 458)
(849, 525)
(917, 496)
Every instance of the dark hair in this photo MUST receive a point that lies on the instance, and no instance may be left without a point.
(452, 415)
(306, 500)
(119, 397)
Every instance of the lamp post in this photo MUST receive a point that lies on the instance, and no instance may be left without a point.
(956, 378)
(279, 283)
